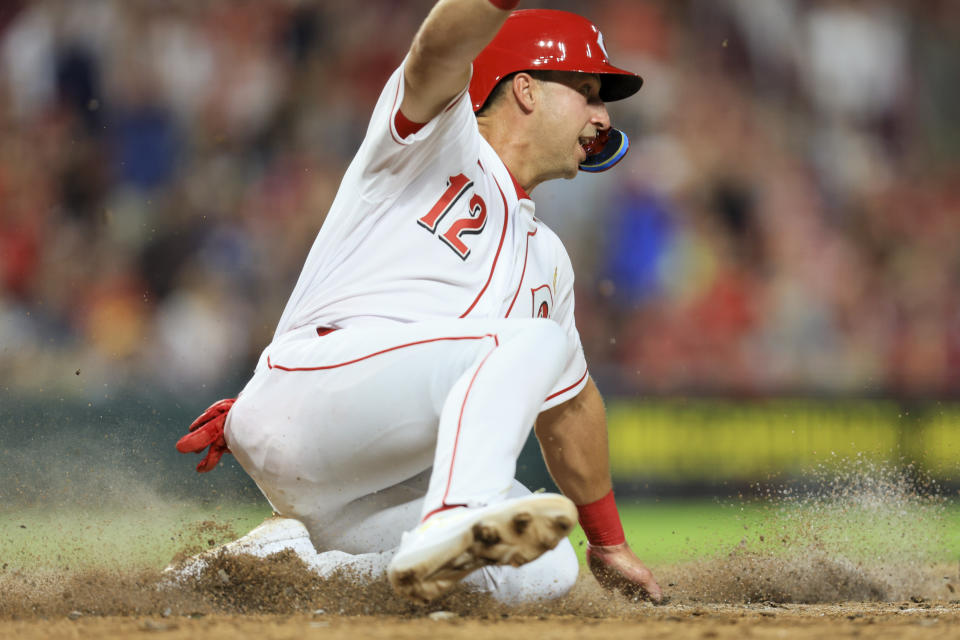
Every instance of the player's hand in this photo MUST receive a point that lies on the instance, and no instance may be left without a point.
(618, 568)
(207, 431)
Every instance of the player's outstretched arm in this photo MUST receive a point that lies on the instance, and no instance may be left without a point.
(438, 65)
(573, 438)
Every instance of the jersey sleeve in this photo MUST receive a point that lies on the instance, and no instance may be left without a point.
(389, 161)
(574, 376)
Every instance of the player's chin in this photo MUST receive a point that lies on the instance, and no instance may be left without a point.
(567, 167)
(573, 168)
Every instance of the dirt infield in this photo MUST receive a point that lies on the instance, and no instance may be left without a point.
(856, 559)
(671, 621)
(907, 620)
(738, 596)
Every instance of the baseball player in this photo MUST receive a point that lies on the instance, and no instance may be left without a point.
(433, 326)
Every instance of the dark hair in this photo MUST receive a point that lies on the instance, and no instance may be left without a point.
(501, 87)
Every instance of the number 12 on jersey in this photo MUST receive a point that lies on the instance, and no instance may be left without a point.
(471, 224)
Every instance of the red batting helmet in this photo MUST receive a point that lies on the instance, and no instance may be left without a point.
(548, 39)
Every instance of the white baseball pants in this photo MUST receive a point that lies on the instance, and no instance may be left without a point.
(362, 432)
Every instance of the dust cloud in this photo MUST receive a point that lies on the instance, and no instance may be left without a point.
(852, 533)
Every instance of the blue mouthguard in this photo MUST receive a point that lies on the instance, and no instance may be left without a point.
(612, 153)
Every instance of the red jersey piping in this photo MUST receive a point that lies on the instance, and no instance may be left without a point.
(496, 257)
(401, 121)
(393, 134)
(463, 407)
(564, 390)
(521, 192)
(530, 234)
(324, 367)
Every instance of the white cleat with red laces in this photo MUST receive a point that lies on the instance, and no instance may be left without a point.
(451, 544)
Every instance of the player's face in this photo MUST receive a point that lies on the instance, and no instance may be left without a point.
(573, 113)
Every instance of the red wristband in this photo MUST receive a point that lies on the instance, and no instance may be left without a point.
(506, 5)
(601, 521)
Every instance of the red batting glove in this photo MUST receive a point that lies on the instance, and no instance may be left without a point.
(617, 568)
(207, 430)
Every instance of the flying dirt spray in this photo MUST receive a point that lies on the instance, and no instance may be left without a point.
(852, 530)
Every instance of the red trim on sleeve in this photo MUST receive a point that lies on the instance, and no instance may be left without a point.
(505, 5)
(405, 126)
(459, 98)
(562, 391)
(601, 522)
(393, 134)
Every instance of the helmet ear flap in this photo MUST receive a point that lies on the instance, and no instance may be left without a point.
(609, 148)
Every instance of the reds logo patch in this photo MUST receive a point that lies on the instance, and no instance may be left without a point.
(542, 301)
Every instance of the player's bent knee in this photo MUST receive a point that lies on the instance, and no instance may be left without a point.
(238, 426)
(552, 339)
(247, 435)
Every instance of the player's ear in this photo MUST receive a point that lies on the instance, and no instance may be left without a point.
(525, 91)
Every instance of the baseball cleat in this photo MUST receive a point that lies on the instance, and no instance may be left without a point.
(441, 551)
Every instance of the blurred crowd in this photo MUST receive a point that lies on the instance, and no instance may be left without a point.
(788, 220)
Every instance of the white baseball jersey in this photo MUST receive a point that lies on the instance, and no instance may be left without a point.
(432, 225)
(435, 270)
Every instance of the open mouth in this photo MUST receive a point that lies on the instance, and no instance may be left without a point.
(591, 144)
(584, 143)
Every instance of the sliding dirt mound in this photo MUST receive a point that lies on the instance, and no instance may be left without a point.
(282, 584)
(86, 592)
(854, 531)
(278, 584)
(859, 533)
(814, 578)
